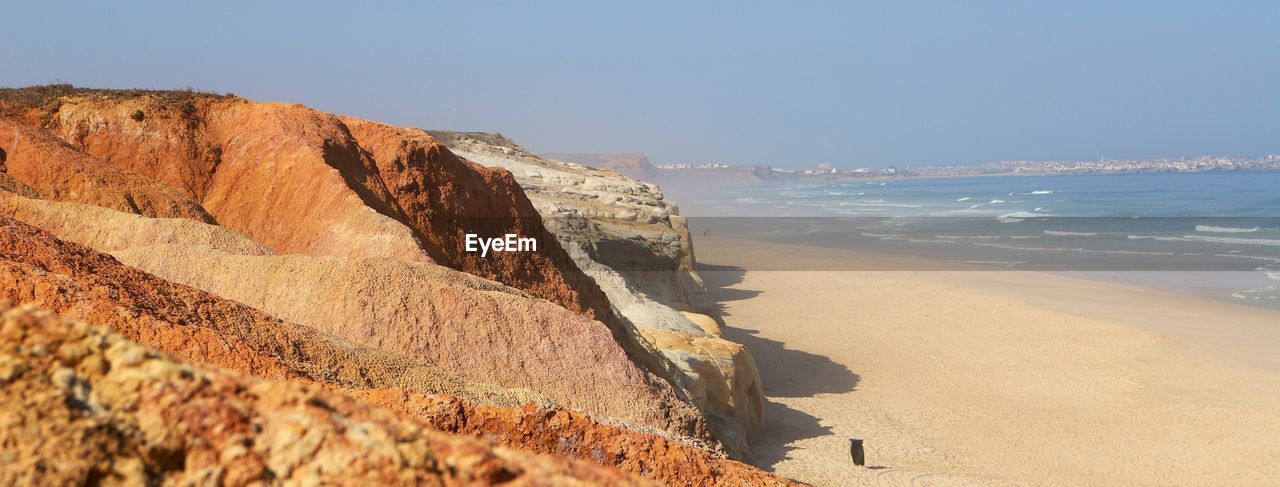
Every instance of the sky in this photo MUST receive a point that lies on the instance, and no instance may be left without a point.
(789, 84)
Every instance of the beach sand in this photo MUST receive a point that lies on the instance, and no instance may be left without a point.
(989, 378)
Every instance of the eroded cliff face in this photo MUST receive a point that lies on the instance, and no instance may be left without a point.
(342, 235)
(39, 270)
(77, 282)
(483, 330)
(631, 165)
(623, 234)
(55, 170)
(301, 181)
(82, 405)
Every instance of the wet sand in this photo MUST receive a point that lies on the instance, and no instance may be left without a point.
(971, 377)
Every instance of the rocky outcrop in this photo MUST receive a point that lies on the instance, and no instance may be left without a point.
(55, 170)
(567, 433)
(623, 234)
(631, 165)
(483, 330)
(79, 283)
(82, 405)
(37, 269)
(106, 230)
(351, 232)
(301, 181)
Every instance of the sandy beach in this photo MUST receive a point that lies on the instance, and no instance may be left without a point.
(968, 377)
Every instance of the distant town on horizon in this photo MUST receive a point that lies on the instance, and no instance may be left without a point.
(1024, 167)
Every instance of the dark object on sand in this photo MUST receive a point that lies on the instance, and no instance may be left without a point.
(855, 450)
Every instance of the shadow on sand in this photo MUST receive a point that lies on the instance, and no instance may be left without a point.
(786, 373)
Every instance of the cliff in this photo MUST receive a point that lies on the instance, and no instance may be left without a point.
(340, 242)
(484, 331)
(298, 180)
(37, 269)
(631, 165)
(632, 242)
(82, 405)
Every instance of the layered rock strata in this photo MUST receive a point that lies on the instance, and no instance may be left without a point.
(38, 270)
(351, 232)
(632, 242)
(82, 405)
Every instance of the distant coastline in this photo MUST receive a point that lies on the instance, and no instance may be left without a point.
(726, 172)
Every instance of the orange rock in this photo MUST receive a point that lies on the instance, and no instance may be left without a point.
(301, 181)
(566, 433)
(37, 269)
(79, 283)
(82, 405)
(58, 171)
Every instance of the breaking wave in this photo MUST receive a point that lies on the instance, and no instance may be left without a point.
(1213, 229)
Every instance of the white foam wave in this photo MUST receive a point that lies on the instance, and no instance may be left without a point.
(877, 204)
(1041, 191)
(1016, 216)
(1070, 234)
(1257, 294)
(966, 198)
(995, 202)
(1064, 249)
(1234, 241)
(1002, 263)
(967, 237)
(1213, 229)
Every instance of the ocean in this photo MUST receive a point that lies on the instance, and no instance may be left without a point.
(1209, 234)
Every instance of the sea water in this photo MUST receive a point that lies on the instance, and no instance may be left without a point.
(1212, 234)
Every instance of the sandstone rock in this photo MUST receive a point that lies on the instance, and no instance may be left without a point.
(567, 433)
(79, 283)
(106, 230)
(623, 234)
(82, 405)
(630, 165)
(485, 331)
(38, 269)
(58, 171)
(13, 185)
(301, 181)
(284, 178)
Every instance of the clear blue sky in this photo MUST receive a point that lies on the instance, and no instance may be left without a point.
(772, 83)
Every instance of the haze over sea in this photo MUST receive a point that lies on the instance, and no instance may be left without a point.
(1210, 234)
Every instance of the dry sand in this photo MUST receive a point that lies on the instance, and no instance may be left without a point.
(997, 377)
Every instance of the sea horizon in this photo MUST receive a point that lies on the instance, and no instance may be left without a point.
(1206, 234)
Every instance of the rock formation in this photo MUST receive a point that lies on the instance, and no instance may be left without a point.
(485, 331)
(631, 165)
(82, 405)
(340, 241)
(623, 234)
(37, 269)
(56, 170)
(564, 432)
(298, 180)
(79, 283)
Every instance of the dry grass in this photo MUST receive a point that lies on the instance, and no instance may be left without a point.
(48, 98)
